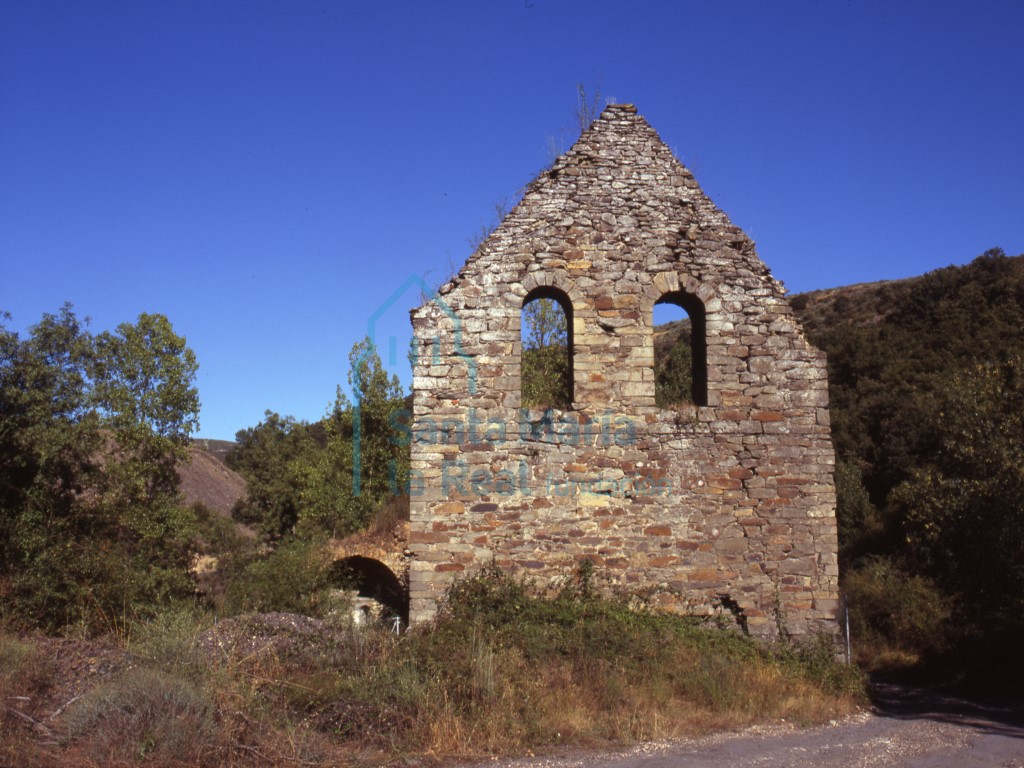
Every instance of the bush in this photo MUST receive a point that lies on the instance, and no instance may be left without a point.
(25, 672)
(896, 618)
(515, 668)
(145, 715)
(293, 578)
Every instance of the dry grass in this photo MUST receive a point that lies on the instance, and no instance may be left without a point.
(25, 675)
(501, 672)
(145, 715)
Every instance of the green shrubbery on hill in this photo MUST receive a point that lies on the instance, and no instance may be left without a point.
(927, 393)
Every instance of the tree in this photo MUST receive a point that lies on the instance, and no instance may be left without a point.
(145, 380)
(269, 456)
(544, 324)
(49, 473)
(366, 460)
(546, 376)
(90, 427)
(963, 511)
(673, 371)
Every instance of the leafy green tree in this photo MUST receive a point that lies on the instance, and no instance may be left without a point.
(963, 510)
(49, 473)
(366, 460)
(145, 381)
(269, 456)
(926, 408)
(90, 517)
(144, 387)
(546, 376)
(885, 369)
(544, 324)
(859, 521)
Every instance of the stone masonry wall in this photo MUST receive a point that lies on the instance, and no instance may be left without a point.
(729, 504)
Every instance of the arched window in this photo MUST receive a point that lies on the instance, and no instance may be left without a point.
(547, 350)
(680, 351)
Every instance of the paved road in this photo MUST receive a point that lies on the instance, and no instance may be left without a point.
(909, 728)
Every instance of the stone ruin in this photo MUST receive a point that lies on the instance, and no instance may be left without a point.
(723, 505)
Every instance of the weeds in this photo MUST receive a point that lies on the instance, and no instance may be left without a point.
(502, 670)
(25, 674)
(145, 714)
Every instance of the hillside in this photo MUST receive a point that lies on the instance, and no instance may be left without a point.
(219, 449)
(206, 479)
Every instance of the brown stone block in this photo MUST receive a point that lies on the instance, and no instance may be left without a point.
(449, 508)
(801, 567)
(790, 480)
(664, 561)
(449, 567)
(658, 530)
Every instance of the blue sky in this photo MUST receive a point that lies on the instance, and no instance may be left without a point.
(266, 174)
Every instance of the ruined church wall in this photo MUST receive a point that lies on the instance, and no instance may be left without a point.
(725, 504)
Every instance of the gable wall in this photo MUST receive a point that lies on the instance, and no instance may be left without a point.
(727, 504)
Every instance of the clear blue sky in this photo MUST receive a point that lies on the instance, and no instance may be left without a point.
(266, 174)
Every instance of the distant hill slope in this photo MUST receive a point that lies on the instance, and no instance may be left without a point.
(206, 479)
(219, 449)
(995, 280)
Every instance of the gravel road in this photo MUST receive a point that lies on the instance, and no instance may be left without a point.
(906, 727)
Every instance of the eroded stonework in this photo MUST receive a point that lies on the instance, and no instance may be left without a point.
(729, 504)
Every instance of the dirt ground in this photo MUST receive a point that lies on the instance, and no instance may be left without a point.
(907, 727)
